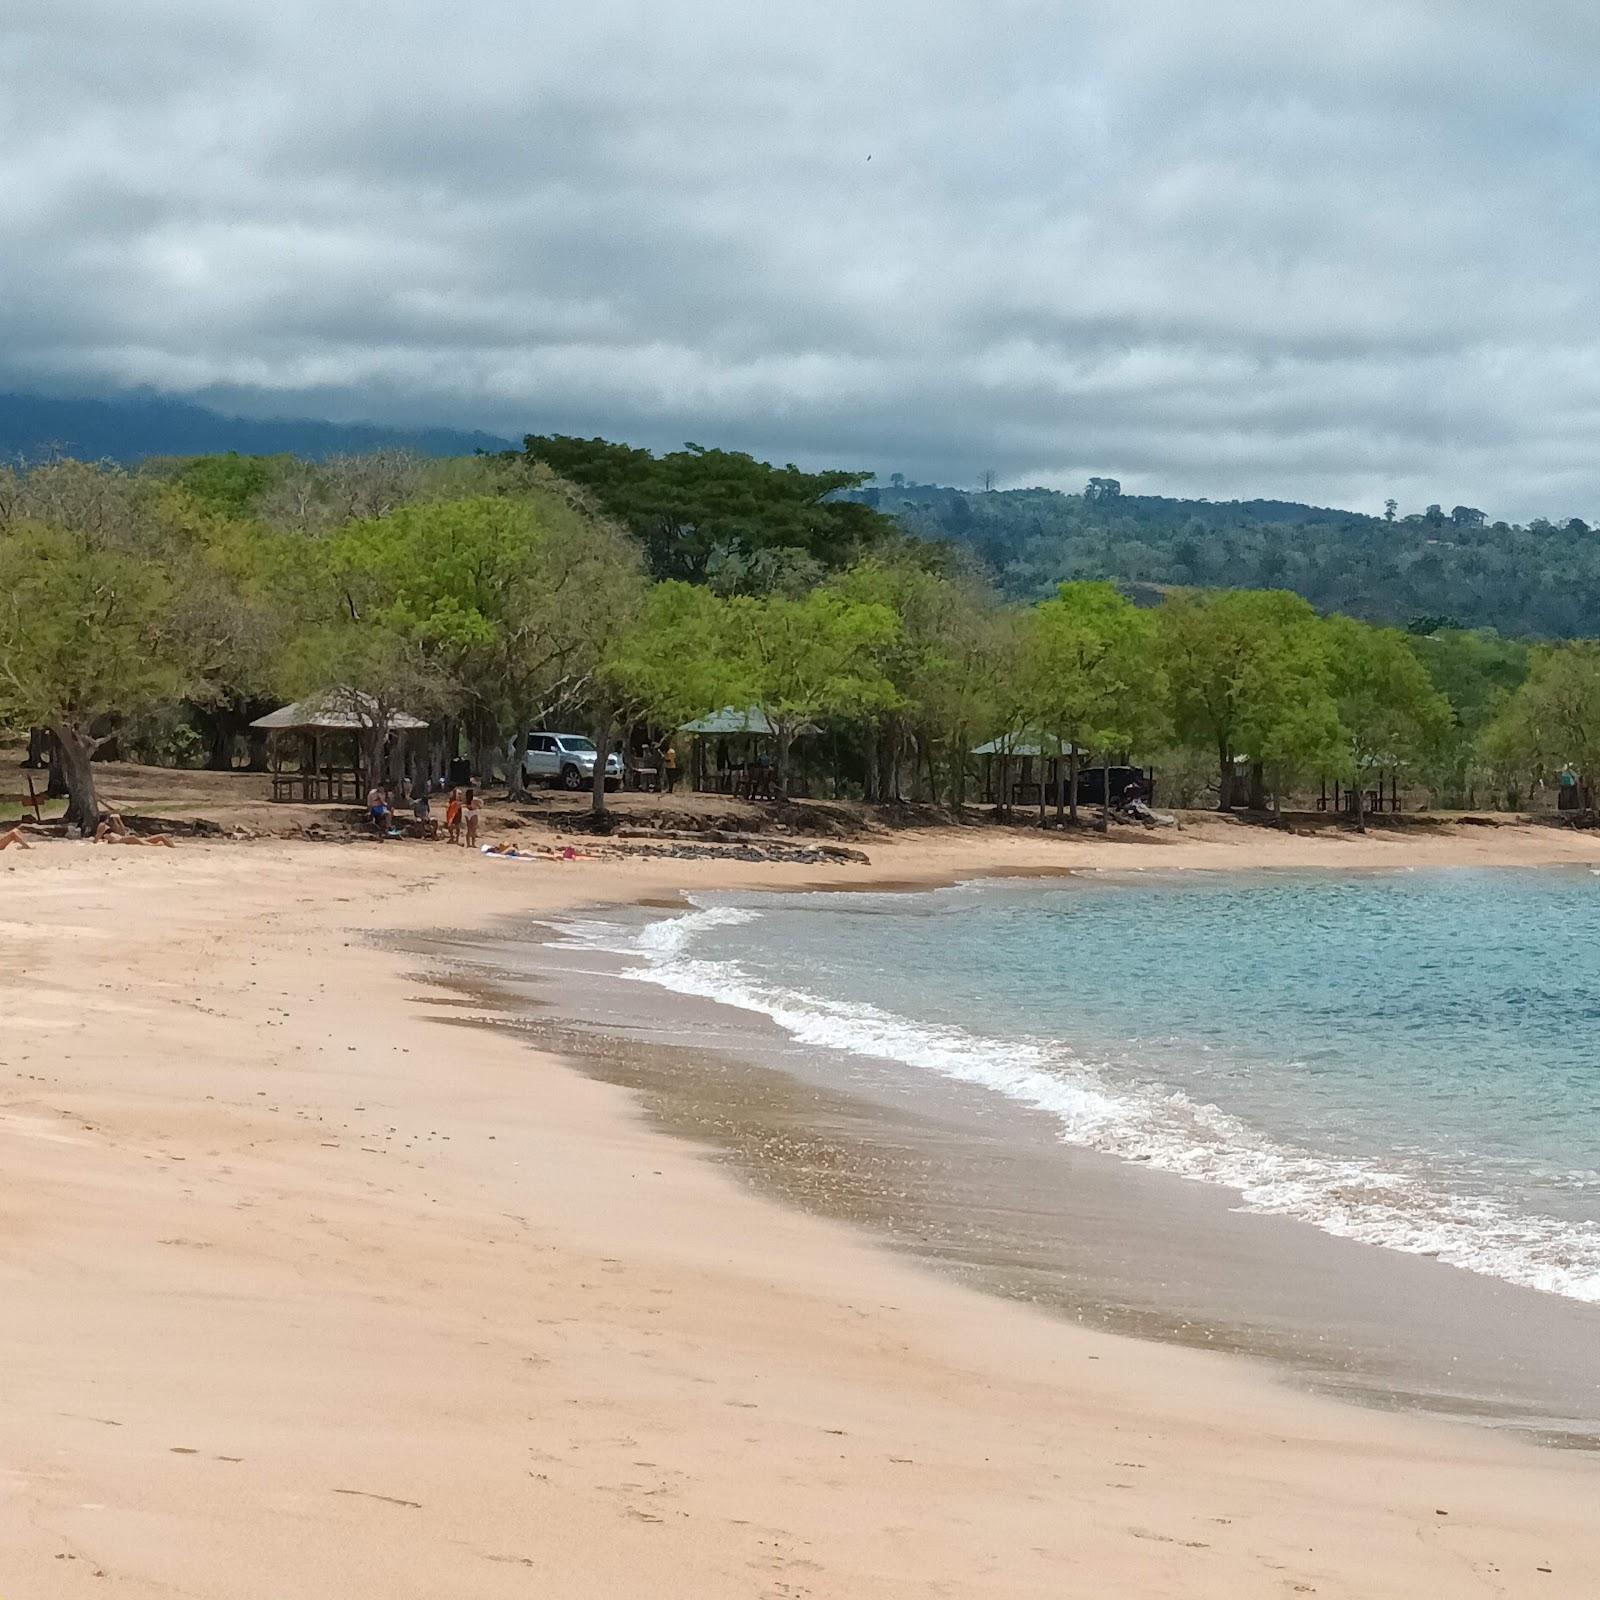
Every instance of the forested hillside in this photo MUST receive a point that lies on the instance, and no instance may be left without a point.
(1540, 579)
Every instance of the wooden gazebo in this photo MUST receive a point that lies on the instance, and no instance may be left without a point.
(1025, 768)
(324, 737)
(740, 738)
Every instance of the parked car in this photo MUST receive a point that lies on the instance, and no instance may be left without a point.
(567, 759)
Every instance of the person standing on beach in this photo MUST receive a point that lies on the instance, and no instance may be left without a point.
(452, 817)
(470, 811)
(669, 765)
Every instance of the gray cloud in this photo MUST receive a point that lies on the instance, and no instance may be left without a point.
(1334, 251)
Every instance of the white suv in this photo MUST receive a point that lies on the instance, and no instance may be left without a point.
(567, 759)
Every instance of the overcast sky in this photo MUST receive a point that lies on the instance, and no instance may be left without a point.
(1329, 251)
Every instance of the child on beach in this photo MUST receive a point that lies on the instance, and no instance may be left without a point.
(452, 817)
(471, 812)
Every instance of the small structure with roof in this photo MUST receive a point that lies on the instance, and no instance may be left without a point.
(739, 740)
(1027, 768)
(333, 738)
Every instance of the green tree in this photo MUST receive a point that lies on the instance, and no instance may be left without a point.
(1552, 723)
(1091, 680)
(507, 604)
(85, 639)
(673, 663)
(1390, 714)
(801, 660)
(1238, 662)
(228, 485)
(696, 509)
(1476, 671)
(230, 614)
(368, 671)
(942, 663)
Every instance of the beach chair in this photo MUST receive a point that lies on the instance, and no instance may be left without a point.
(30, 801)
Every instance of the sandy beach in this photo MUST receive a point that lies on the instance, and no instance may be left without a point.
(307, 1290)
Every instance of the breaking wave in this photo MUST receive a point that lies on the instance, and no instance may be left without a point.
(1153, 1125)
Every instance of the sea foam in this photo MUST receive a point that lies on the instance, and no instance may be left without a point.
(1150, 1124)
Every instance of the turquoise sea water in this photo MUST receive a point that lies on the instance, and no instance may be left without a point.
(1409, 1059)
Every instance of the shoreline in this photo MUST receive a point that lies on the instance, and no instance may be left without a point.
(305, 1294)
(911, 1161)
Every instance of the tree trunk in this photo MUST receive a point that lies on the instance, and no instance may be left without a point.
(602, 754)
(517, 782)
(258, 749)
(1224, 777)
(1258, 787)
(77, 746)
(1072, 785)
(55, 785)
(1061, 790)
(219, 739)
(369, 752)
(785, 740)
(1042, 785)
(483, 758)
(1105, 794)
(38, 749)
(1359, 791)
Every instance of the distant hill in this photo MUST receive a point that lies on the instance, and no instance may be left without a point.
(129, 429)
(1538, 579)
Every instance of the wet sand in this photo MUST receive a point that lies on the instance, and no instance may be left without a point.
(308, 1289)
(985, 1190)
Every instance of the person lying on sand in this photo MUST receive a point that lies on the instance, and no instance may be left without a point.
(14, 836)
(113, 830)
(541, 853)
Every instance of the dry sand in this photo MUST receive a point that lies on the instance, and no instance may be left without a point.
(303, 1293)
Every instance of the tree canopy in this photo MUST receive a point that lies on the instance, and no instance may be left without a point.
(628, 592)
(699, 512)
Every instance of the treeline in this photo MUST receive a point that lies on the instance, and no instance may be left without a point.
(1409, 566)
(167, 607)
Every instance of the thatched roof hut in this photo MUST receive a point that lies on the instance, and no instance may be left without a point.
(339, 721)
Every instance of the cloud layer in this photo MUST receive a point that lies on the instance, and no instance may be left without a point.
(1330, 250)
